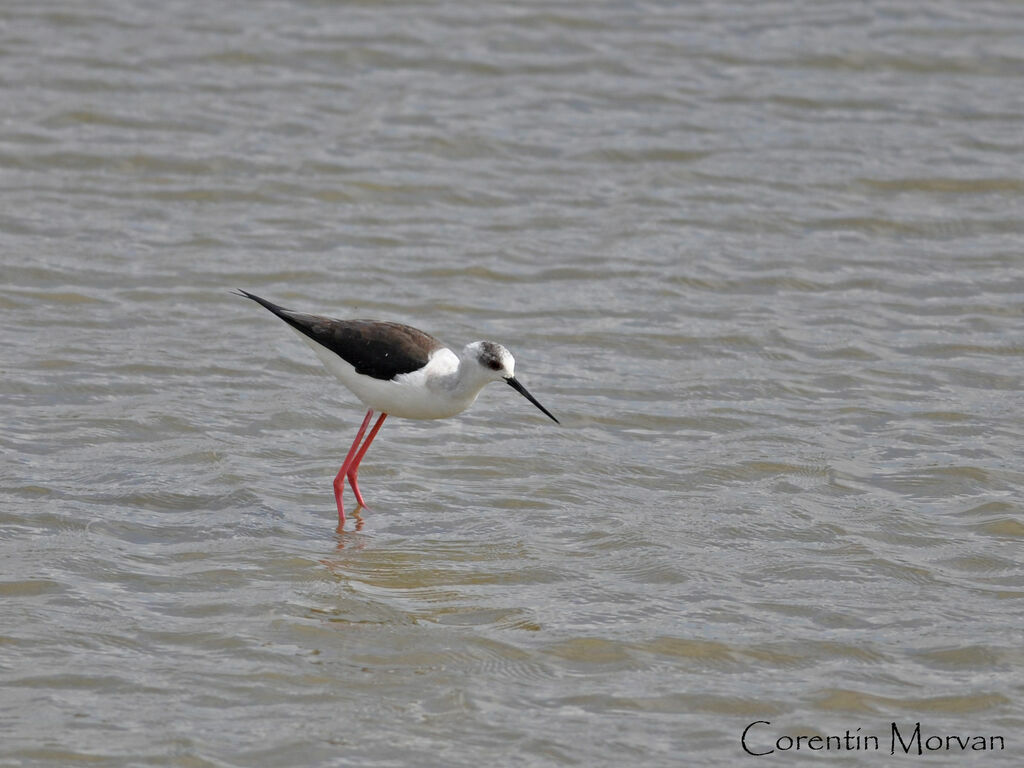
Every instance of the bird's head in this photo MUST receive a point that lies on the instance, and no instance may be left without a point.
(495, 363)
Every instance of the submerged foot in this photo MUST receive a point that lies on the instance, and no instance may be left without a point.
(355, 489)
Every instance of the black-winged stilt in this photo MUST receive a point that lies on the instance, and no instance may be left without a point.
(399, 370)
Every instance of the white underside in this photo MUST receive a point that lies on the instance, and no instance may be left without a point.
(432, 392)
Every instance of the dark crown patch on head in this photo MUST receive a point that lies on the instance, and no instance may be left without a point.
(490, 355)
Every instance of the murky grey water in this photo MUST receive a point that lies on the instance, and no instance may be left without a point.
(763, 260)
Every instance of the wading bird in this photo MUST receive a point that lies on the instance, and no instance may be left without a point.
(398, 370)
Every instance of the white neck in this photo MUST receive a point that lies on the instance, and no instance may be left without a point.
(468, 379)
(455, 382)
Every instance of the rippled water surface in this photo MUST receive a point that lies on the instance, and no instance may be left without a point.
(764, 261)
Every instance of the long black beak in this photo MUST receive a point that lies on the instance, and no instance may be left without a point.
(514, 383)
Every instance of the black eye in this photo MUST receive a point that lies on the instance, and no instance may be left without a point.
(493, 364)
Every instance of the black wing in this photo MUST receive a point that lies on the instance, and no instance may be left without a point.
(379, 349)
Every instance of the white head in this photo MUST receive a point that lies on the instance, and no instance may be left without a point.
(492, 362)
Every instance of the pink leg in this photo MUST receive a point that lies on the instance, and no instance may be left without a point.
(353, 470)
(339, 479)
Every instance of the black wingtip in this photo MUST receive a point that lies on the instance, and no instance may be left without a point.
(275, 308)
